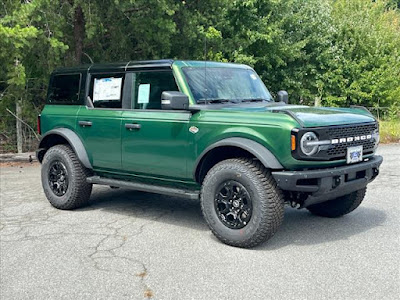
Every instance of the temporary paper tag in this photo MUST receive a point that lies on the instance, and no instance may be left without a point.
(144, 93)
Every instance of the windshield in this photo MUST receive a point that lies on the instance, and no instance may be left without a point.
(217, 85)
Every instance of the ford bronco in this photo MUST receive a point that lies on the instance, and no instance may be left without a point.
(208, 131)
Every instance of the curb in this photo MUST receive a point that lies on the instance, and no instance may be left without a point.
(18, 157)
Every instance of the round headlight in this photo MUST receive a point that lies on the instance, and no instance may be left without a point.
(306, 143)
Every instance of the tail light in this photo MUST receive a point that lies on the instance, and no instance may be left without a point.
(38, 125)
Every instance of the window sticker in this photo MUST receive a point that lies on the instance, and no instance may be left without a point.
(253, 76)
(144, 93)
(108, 89)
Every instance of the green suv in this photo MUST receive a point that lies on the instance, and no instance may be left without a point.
(203, 130)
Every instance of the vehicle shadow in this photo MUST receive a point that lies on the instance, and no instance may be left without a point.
(299, 226)
(153, 207)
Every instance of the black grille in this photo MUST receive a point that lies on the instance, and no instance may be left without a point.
(339, 150)
(357, 130)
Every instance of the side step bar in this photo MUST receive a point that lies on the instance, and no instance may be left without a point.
(145, 187)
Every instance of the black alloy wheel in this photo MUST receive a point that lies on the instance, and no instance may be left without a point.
(58, 178)
(233, 204)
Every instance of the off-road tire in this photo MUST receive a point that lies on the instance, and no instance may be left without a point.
(267, 202)
(340, 206)
(78, 191)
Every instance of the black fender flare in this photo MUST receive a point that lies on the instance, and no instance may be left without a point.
(73, 140)
(259, 151)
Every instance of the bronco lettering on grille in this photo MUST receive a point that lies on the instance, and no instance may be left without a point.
(350, 139)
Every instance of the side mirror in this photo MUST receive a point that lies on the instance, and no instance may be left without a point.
(283, 96)
(174, 100)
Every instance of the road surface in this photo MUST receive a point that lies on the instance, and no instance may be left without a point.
(133, 245)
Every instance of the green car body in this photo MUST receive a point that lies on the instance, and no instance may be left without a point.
(176, 148)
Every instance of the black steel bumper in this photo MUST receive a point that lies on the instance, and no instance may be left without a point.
(327, 184)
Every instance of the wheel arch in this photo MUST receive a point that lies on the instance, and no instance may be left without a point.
(63, 136)
(230, 148)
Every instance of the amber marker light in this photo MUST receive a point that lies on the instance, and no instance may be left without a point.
(293, 142)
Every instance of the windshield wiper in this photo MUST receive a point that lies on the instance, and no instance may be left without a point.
(255, 100)
(215, 101)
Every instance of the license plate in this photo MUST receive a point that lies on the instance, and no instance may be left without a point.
(354, 154)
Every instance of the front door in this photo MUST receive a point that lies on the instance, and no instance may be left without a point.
(154, 141)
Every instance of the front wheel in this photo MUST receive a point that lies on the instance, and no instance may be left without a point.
(340, 206)
(64, 178)
(241, 202)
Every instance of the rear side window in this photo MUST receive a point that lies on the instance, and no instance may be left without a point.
(106, 90)
(64, 89)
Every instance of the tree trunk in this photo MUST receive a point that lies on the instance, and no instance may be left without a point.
(19, 126)
(79, 33)
(317, 101)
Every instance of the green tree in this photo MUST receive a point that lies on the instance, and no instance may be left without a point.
(27, 54)
(337, 52)
(364, 64)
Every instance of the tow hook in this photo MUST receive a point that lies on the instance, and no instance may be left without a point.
(376, 172)
(336, 181)
(295, 204)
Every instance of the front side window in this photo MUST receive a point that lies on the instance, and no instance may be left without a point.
(106, 90)
(148, 87)
(225, 84)
(64, 89)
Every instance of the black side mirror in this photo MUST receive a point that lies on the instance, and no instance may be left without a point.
(283, 96)
(174, 100)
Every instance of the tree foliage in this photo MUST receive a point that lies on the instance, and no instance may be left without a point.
(337, 52)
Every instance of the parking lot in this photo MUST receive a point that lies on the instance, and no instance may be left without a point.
(134, 245)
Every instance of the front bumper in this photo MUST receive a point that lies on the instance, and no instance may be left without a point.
(327, 184)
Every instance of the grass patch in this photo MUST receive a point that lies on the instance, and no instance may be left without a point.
(389, 131)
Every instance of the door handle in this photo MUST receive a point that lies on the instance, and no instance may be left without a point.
(85, 123)
(133, 126)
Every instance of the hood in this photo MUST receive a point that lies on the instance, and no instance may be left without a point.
(309, 116)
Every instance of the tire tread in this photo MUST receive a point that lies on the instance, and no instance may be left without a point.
(81, 190)
(272, 206)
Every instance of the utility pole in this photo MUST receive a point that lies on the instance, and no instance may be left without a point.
(317, 101)
(18, 111)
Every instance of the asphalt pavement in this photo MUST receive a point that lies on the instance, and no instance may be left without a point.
(134, 245)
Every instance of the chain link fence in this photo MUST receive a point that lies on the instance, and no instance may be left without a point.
(8, 139)
(31, 103)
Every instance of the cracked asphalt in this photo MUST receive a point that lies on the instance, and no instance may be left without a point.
(134, 245)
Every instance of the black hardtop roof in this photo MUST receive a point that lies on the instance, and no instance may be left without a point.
(118, 67)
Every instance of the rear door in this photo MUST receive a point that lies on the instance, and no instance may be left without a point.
(154, 141)
(100, 126)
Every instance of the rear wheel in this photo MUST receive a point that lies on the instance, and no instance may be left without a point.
(64, 178)
(241, 202)
(340, 206)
